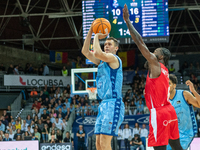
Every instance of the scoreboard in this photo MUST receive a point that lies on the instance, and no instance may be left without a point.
(149, 17)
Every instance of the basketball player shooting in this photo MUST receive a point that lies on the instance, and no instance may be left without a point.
(109, 88)
(163, 123)
(183, 102)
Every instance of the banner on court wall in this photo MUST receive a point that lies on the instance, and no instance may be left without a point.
(23, 80)
(128, 58)
(58, 57)
(55, 146)
(19, 145)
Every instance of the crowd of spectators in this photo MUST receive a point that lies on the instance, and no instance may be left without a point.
(29, 69)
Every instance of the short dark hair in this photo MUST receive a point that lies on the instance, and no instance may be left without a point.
(173, 78)
(115, 41)
(166, 54)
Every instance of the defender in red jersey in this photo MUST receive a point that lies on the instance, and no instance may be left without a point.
(163, 123)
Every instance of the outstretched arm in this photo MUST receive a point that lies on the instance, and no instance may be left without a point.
(85, 50)
(195, 101)
(151, 58)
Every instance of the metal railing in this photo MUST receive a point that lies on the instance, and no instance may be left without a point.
(16, 105)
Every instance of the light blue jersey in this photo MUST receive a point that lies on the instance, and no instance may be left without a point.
(186, 119)
(109, 89)
(109, 81)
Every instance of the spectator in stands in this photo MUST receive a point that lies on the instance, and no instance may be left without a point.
(13, 121)
(28, 119)
(46, 93)
(36, 104)
(34, 94)
(78, 111)
(136, 129)
(33, 137)
(26, 136)
(67, 103)
(127, 136)
(64, 94)
(44, 116)
(59, 135)
(136, 78)
(2, 68)
(53, 128)
(9, 127)
(53, 132)
(140, 108)
(17, 125)
(37, 134)
(14, 129)
(41, 95)
(120, 137)
(64, 71)
(133, 109)
(172, 69)
(7, 137)
(40, 125)
(49, 124)
(19, 138)
(64, 124)
(45, 133)
(81, 138)
(24, 126)
(30, 130)
(68, 139)
(6, 115)
(16, 71)
(11, 134)
(46, 69)
(136, 142)
(53, 139)
(58, 123)
(68, 114)
(64, 109)
(71, 107)
(144, 134)
(127, 108)
(10, 69)
(94, 108)
(68, 89)
(20, 68)
(18, 133)
(2, 126)
(40, 72)
(4, 121)
(35, 119)
(88, 109)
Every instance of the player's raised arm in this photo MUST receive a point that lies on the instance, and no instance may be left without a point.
(85, 49)
(151, 58)
(98, 53)
(195, 101)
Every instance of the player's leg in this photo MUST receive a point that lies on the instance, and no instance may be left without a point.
(175, 144)
(98, 146)
(160, 147)
(105, 142)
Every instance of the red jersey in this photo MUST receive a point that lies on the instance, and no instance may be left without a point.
(157, 90)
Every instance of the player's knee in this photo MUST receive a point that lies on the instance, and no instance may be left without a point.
(104, 144)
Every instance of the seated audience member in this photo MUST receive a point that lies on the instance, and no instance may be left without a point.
(7, 115)
(36, 113)
(27, 136)
(30, 130)
(37, 134)
(18, 138)
(58, 123)
(64, 109)
(45, 133)
(14, 129)
(9, 127)
(94, 108)
(136, 142)
(28, 119)
(7, 137)
(68, 114)
(140, 108)
(24, 126)
(68, 139)
(71, 107)
(33, 137)
(59, 135)
(34, 94)
(53, 132)
(53, 139)
(49, 124)
(53, 128)
(36, 104)
(44, 116)
(18, 133)
(40, 125)
(64, 125)
(17, 125)
(11, 134)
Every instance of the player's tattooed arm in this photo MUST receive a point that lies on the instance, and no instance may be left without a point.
(151, 58)
(194, 100)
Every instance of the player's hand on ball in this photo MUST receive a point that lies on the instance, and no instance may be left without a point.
(125, 13)
(101, 35)
(190, 84)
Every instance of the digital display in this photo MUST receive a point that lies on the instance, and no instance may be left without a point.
(149, 17)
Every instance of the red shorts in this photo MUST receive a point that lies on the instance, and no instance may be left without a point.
(163, 125)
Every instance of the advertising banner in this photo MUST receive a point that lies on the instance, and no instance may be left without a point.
(56, 146)
(23, 80)
(19, 145)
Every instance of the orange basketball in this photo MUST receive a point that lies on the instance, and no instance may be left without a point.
(101, 25)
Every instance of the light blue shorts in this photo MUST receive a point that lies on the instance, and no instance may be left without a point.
(185, 143)
(110, 116)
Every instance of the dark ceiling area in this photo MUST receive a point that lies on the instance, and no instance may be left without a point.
(57, 25)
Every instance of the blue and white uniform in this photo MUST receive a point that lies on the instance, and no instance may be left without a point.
(186, 119)
(109, 89)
